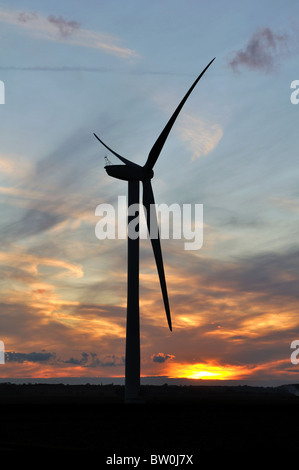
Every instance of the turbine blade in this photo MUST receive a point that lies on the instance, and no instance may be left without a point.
(158, 145)
(123, 159)
(152, 225)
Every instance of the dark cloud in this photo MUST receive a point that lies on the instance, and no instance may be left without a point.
(92, 360)
(262, 51)
(78, 362)
(86, 360)
(25, 17)
(66, 28)
(161, 357)
(40, 357)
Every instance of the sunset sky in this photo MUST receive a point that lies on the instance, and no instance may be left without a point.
(119, 69)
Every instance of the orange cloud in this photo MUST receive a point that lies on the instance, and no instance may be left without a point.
(30, 263)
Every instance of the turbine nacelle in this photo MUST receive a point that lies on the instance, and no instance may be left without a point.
(129, 173)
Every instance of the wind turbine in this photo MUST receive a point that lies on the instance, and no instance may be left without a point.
(134, 173)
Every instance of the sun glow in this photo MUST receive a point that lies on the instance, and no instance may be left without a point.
(206, 371)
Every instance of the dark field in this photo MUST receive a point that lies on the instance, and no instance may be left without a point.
(172, 420)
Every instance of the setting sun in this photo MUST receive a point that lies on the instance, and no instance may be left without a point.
(206, 371)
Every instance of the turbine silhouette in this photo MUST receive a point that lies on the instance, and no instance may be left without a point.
(134, 173)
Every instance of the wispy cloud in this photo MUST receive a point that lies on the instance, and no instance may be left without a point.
(83, 68)
(30, 263)
(14, 166)
(201, 136)
(59, 29)
(262, 52)
(63, 68)
(49, 194)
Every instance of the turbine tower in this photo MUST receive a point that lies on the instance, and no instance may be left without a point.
(135, 174)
